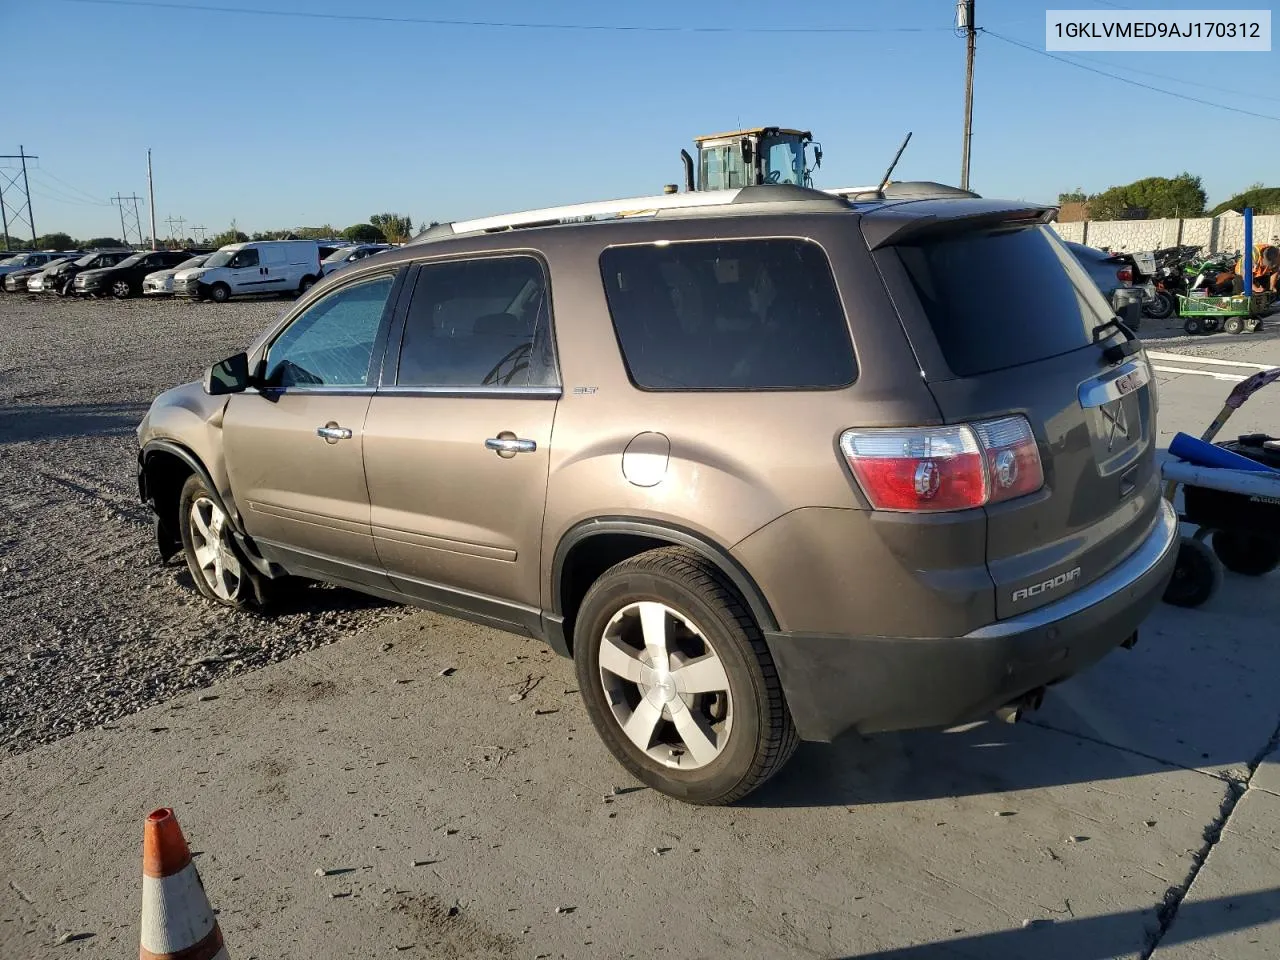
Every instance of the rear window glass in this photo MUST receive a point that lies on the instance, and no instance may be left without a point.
(728, 315)
(1004, 297)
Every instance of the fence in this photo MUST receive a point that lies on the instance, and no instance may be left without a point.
(1225, 232)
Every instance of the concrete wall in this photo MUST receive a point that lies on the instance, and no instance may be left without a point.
(1213, 233)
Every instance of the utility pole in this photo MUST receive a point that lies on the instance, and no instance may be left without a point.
(133, 218)
(964, 22)
(10, 183)
(151, 192)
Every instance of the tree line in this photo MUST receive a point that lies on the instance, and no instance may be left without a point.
(1157, 198)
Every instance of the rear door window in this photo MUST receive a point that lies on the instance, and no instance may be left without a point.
(1003, 297)
(728, 315)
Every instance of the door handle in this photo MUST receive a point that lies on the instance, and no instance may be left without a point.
(508, 445)
(333, 433)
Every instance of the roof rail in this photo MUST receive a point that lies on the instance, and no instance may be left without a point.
(852, 191)
(579, 212)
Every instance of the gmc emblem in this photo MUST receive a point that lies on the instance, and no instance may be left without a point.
(1061, 580)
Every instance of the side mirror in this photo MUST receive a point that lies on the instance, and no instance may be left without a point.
(227, 376)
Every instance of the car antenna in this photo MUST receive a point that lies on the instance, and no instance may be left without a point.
(888, 173)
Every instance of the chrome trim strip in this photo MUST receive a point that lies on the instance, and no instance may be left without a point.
(528, 393)
(1162, 539)
(1117, 383)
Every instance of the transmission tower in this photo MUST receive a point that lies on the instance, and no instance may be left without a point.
(179, 236)
(129, 217)
(9, 182)
(200, 234)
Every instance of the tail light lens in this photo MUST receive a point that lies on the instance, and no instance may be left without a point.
(930, 469)
(1125, 274)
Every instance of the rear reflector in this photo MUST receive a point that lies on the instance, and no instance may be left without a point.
(944, 468)
(1125, 274)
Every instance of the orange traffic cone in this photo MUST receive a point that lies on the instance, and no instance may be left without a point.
(177, 921)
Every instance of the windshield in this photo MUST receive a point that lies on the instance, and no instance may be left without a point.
(9, 261)
(340, 254)
(87, 259)
(193, 262)
(131, 261)
(221, 258)
(783, 160)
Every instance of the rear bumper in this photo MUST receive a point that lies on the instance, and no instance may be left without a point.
(838, 683)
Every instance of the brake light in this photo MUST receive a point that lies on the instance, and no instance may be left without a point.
(931, 469)
(1125, 274)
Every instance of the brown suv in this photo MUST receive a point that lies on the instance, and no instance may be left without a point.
(770, 465)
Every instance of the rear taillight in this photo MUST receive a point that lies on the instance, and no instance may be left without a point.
(1125, 274)
(944, 468)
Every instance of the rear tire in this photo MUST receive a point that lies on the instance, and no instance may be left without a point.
(1197, 575)
(1233, 325)
(219, 293)
(307, 283)
(1160, 307)
(689, 700)
(1192, 325)
(1246, 554)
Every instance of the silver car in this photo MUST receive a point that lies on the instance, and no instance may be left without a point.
(160, 283)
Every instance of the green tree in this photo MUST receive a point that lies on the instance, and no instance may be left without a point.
(1072, 196)
(363, 233)
(102, 242)
(1264, 200)
(322, 232)
(1159, 197)
(228, 236)
(395, 227)
(55, 241)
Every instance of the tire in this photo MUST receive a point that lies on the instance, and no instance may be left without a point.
(219, 293)
(122, 289)
(1246, 554)
(1233, 325)
(219, 570)
(1197, 575)
(64, 290)
(742, 703)
(1161, 307)
(307, 283)
(1192, 325)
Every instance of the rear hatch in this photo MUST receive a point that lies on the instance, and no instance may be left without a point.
(1005, 321)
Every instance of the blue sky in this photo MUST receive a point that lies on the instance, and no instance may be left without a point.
(284, 121)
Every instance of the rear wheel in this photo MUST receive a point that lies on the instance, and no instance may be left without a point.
(1161, 306)
(1246, 553)
(307, 283)
(1233, 325)
(1197, 574)
(1192, 325)
(678, 681)
(219, 293)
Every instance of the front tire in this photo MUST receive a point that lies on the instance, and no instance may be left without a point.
(1247, 554)
(219, 293)
(122, 290)
(678, 681)
(219, 570)
(1197, 575)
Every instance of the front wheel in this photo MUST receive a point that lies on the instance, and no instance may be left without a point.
(1233, 325)
(219, 293)
(678, 681)
(1192, 325)
(122, 290)
(1197, 575)
(1246, 553)
(216, 565)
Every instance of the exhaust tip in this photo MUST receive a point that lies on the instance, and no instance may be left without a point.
(1012, 711)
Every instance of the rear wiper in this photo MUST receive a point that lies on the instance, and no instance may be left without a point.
(1117, 352)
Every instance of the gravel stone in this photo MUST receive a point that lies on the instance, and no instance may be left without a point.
(94, 626)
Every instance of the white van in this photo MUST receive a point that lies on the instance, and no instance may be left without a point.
(256, 267)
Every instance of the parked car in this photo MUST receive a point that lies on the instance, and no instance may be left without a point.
(345, 256)
(256, 267)
(1113, 273)
(124, 279)
(25, 260)
(160, 283)
(59, 280)
(769, 467)
(16, 281)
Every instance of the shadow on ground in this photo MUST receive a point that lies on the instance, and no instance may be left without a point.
(19, 424)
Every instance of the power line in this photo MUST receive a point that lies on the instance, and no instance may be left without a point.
(508, 24)
(1168, 76)
(1131, 82)
(68, 187)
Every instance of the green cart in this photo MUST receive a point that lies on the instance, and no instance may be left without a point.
(1232, 314)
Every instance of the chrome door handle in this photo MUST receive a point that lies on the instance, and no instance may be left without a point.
(333, 432)
(510, 445)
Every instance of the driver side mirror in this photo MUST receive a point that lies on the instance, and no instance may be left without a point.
(227, 376)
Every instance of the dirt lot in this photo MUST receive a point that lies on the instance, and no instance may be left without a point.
(93, 627)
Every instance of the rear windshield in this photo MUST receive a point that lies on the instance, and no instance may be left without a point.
(728, 315)
(1003, 297)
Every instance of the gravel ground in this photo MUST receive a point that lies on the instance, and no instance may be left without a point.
(92, 625)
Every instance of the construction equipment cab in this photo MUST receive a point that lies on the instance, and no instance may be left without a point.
(744, 158)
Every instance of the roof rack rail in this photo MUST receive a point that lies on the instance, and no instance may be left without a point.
(625, 208)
